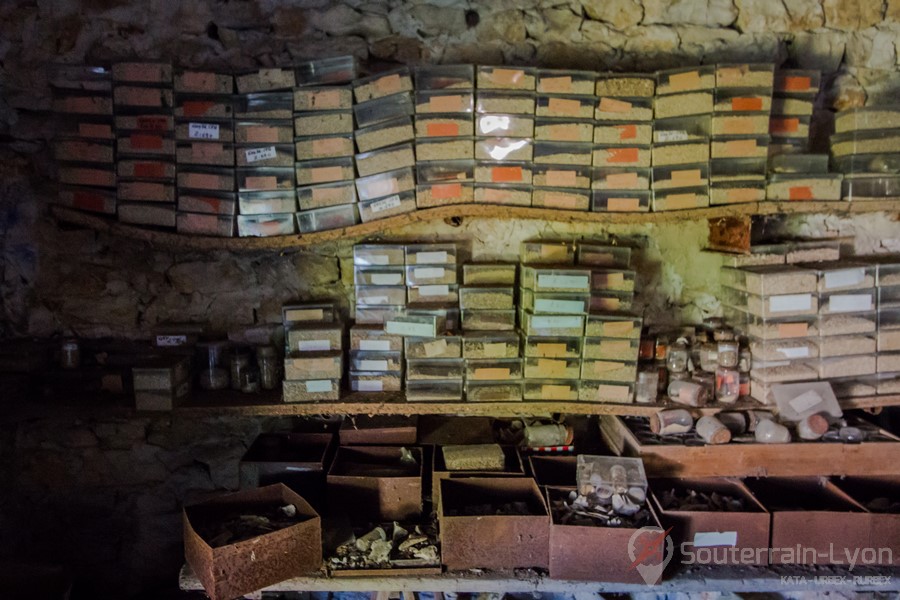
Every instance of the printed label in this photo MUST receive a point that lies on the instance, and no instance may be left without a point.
(429, 272)
(571, 307)
(564, 106)
(435, 348)
(365, 385)
(627, 132)
(506, 174)
(375, 345)
(491, 374)
(164, 341)
(554, 322)
(434, 290)
(373, 365)
(442, 129)
(805, 401)
(446, 191)
(556, 85)
(850, 303)
(674, 135)
(326, 174)
(566, 282)
(494, 350)
(844, 278)
(791, 330)
(387, 278)
(447, 104)
(614, 106)
(314, 345)
(385, 204)
(258, 154)
(203, 131)
(790, 302)
(436, 258)
(707, 539)
(561, 178)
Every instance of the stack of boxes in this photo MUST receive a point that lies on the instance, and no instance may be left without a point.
(564, 135)
(326, 193)
(444, 127)
(740, 133)
(145, 127)
(792, 108)
(264, 156)
(866, 149)
(504, 130)
(681, 138)
(623, 135)
(314, 352)
(161, 383)
(384, 141)
(802, 177)
(85, 135)
(888, 362)
(204, 134)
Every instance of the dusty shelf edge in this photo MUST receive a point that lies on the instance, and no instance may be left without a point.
(488, 211)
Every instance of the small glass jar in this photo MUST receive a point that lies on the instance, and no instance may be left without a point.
(662, 348)
(735, 421)
(745, 360)
(250, 379)
(269, 371)
(745, 384)
(696, 344)
(708, 380)
(647, 349)
(240, 361)
(647, 388)
(709, 357)
(728, 385)
(712, 431)
(769, 432)
(671, 421)
(727, 354)
(689, 393)
(678, 356)
(69, 353)
(211, 363)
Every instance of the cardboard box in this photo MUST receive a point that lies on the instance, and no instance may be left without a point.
(884, 532)
(598, 553)
(558, 471)
(298, 460)
(813, 522)
(369, 482)
(718, 532)
(512, 468)
(236, 569)
(389, 430)
(496, 541)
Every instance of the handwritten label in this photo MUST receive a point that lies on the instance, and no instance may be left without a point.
(435, 348)
(367, 385)
(314, 345)
(165, 341)
(565, 282)
(385, 204)
(571, 307)
(203, 131)
(673, 135)
(375, 345)
(317, 386)
(844, 278)
(258, 154)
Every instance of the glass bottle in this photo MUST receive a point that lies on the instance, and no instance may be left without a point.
(770, 432)
(69, 353)
(250, 379)
(211, 361)
(689, 393)
(671, 421)
(678, 356)
(712, 431)
(647, 388)
(240, 361)
(269, 372)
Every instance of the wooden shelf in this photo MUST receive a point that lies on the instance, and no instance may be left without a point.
(487, 211)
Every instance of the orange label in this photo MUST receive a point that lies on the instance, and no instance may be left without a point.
(96, 130)
(684, 81)
(214, 204)
(326, 174)
(563, 133)
(507, 76)
(564, 106)
(622, 181)
(491, 374)
(326, 99)
(389, 84)
(327, 146)
(203, 181)
(551, 367)
(623, 204)
(616, 346)
(627, 132)
(618, 328)
(613, 392)
(203, 150)
(741, 195)
(506, 174)
(800, 192)
(446, 103)
(621, 155)
(196, 108)
(556, 85)
(614, 106)
(561, 178)
(729, 75)
(328, 195)
(443, 191)
(88, 201)
(680, 201)
(791, 330)
(551, 349)
(262, 135)
(552, 392)
(150, 170)
(687, 177)
(143, 141)
(495, 195)
(560, 201)
(261, 183)
(750, 104)
(737, 125)
(738, 148)
(152, 123)
(442, 129)
(796, 84)
(784, 125)
(198, 82)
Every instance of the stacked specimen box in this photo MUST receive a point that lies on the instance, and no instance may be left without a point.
(682, 107)
(802, 177)
(563, 138)
(384, 140)
(84, 144)
(505, 106)
(145, 131)
(314, 352)
(444, 127)
(263, 154)
(740, 133)
(207, 201)
(888, 362)
(866, 149)
(792, 108)
(623, 134)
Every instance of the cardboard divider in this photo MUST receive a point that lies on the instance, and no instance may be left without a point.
(369, 482)
(884, 532)
(371, 430)
(513, 467)
(557, 471)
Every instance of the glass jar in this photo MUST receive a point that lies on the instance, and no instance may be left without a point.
(240, 361)
(678, 356)
(662, 378)
(69, 353)
(250, 379)
(745, 360)
(727, 354)
(712, 431)
(723, 334)
(709, 357)
(211, 363)
(647, 349)
(812, 427)
(735, 421)
(707, 380)
(671, 421)
(269, 371)
(689, 393)
(728, 385)
(745, 384)
(662, 348)
(647, 388)
(769, 432)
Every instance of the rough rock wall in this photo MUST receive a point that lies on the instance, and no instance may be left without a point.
(57, 281)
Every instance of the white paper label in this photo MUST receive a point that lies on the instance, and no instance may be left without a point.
(790, 302)
(375, 345)
(802, 352)
(850, 303)
(567, 282)
(431, 258)
(203, 131)
(257, 154)
(435, 348)
(170, 340)
(379, 259)
(558, 306)
(844, 278)
(369, 386)
(705, 539)
(429, 272)
(672, 136)
(387, 278)
(373, 365)
(318, 385)
(434, 290)
(375, 300)
(409, 329)
(805, 401)
(555, 322)
(385, 204)
(314, 345)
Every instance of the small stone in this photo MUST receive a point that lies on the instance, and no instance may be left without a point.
(380, 551)
(428, 553)
(288, 510)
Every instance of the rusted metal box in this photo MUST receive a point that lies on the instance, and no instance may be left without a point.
(558, 471)
(732, 537)
(236, 569)
(512, 468)
(884, 531)
(370, 482)
(494, 541)
(606, 554)
(298, 460)
(385, 430)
